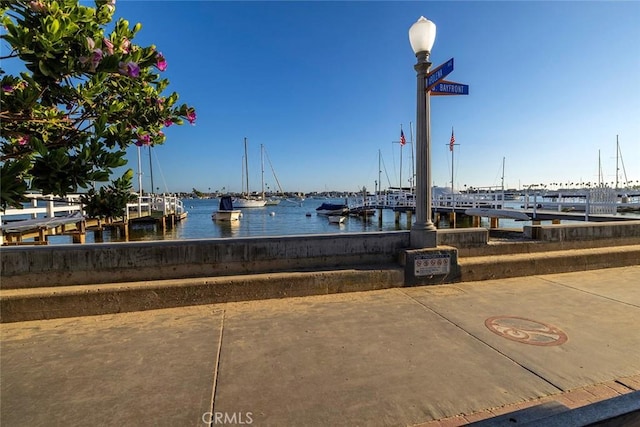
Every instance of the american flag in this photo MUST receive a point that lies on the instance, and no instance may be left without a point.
(403, 140)
(452, 141)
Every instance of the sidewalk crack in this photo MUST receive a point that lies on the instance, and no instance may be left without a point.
(217, 364)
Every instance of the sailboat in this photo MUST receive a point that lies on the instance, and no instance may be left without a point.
(246, 201)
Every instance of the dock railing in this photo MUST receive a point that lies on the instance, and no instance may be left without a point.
(147, 205)
(486, 197)
(44, 211)
(44, 206)
(601, 200)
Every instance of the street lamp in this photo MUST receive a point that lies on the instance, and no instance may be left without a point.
(422, 34)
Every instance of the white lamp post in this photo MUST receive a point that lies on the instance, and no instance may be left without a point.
(422, 34)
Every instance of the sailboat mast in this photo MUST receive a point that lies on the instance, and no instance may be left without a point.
(624, 170)
(617, 167)
(599, 170)
(401, 145)
(379, 189)
(452, 172)
(151, 170)
(262, 165)
(502, 184)
(246, 165)
(266, 154)
(139, 172)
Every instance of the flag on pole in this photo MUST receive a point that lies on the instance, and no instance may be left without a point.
(403, 140)
(452, 141)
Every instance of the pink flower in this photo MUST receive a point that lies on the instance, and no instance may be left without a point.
(168, 122)
(125, 46)
(23, 140)
(96, 58)
(143, 140)
(191, 116)
(161, 63)
(108, 46)
(130, 69)
(7, 88)
(37, 6)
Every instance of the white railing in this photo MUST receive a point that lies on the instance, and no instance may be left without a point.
(399, 200)
(48, 205)
(44, 207)
(162, 203)
(592, 201)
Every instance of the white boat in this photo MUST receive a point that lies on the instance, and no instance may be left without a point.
(246, 202)
(226, 212)
(336, 219)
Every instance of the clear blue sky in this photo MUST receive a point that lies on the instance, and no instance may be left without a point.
(325, 85)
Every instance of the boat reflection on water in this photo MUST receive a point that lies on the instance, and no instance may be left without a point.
(227, 228)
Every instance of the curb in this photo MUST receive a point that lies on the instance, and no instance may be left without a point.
(539, 263)
(18, 305)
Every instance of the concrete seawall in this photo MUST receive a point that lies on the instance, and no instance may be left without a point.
(43, 282)
(32, 266)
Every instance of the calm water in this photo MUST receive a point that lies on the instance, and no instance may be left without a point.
(283, 219)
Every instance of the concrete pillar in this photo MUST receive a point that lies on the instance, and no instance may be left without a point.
(397, 217)
(494, 223)
(380, 217)
(409, 216)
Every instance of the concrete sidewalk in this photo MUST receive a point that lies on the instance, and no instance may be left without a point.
(433, 355)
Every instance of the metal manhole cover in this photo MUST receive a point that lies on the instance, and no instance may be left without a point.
(526, 331)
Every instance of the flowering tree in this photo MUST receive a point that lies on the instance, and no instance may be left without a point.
(86, 95)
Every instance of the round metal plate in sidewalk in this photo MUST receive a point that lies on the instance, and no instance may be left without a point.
(526, 331)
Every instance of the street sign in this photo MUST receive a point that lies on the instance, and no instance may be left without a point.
(445, 87)
(439, 73)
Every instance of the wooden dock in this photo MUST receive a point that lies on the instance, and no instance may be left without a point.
(164, 212)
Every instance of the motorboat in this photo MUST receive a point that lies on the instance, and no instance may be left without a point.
(332, 209)
(225, 211)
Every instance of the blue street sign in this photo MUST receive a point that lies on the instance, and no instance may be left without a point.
(449, 88)
(439, 73)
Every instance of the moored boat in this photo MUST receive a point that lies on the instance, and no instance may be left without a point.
(247, 202)
(226, 212)
(332, 209)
